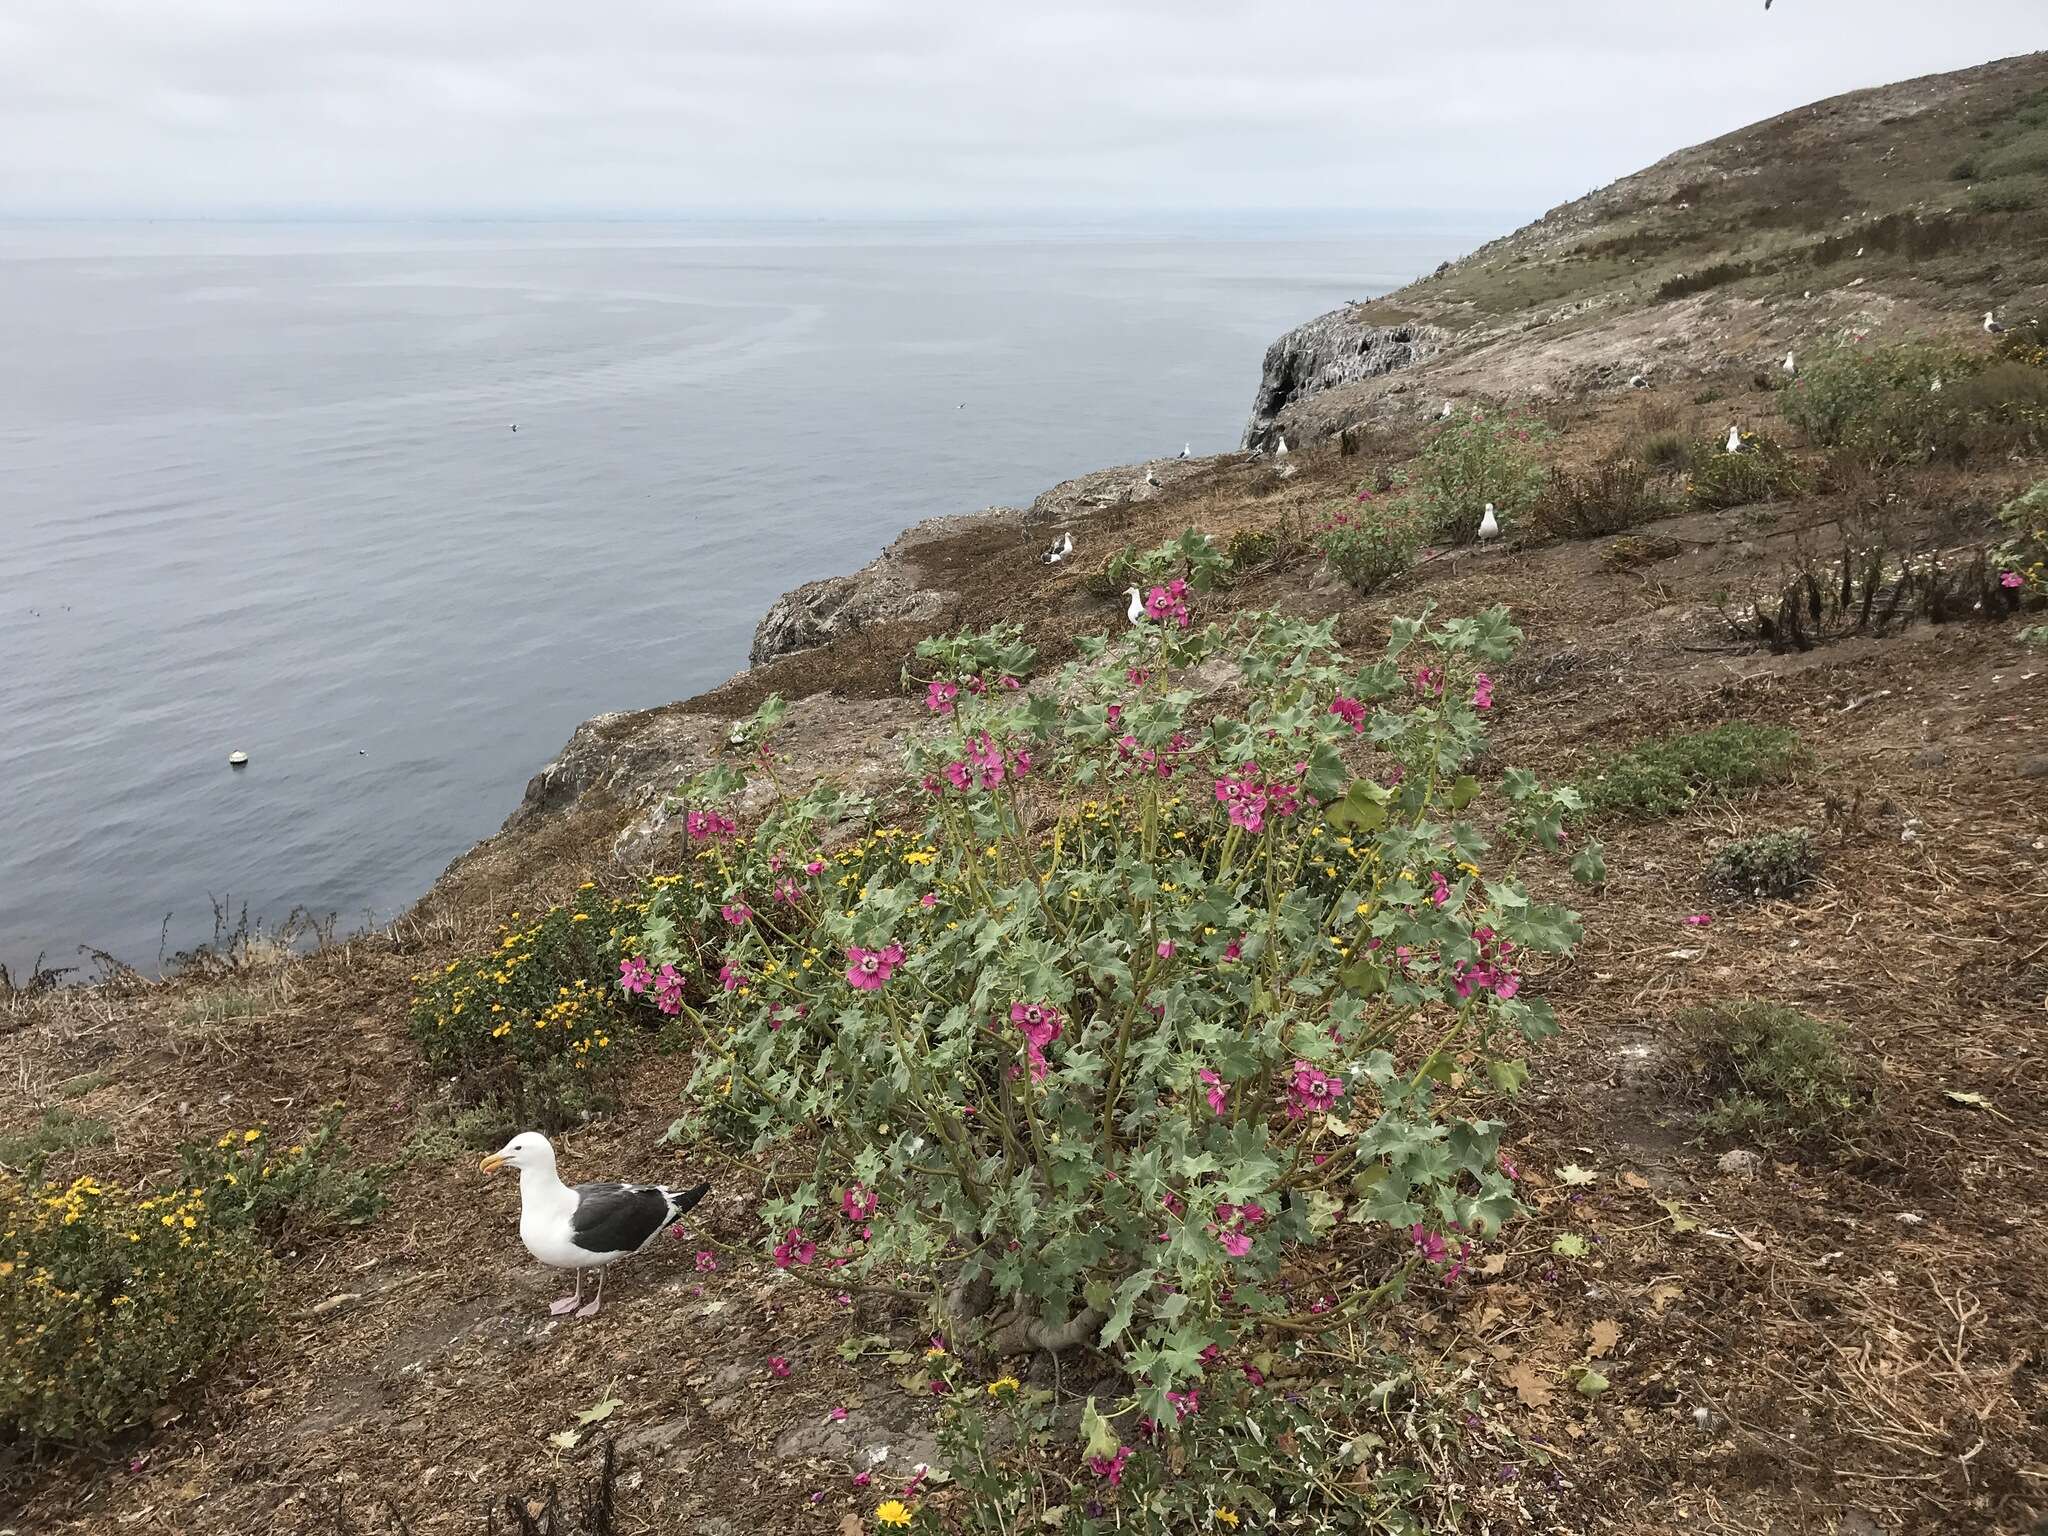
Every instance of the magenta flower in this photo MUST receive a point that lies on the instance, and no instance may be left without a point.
(1234, 949)
(1166, 949)
(1185, 1403)
(1429, 1244)
(705, 826)
(938, 697)
(1482, 692)
(731, 977)
(778, 1367)
(635, 974)
(788, 892)
(815, 867)
(706, 1260)
(1110, 1468)
(736, 914)
(858, 1202)
(2011, 579)
(867, 969)
(1350, 711)
(1311, 1091)
(795, 1249)
(1236, 1242)
(1041, 1024)
(1699, 920)
(928, 900)
(1217, 1095)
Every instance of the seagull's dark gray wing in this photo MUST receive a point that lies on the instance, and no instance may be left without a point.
(617, 1218)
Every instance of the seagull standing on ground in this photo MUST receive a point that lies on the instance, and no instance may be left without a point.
(1281, 451)
(1445, 413)
(1935, 387)
(588, 1227)
(1136, 612)
(1062, 547)
(1991, 325)
(1184, 447)
(1151, 475)
(1489, 525)
(1790, 367)
(1734, 440)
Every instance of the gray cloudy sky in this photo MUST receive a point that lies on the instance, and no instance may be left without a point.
(663, 106)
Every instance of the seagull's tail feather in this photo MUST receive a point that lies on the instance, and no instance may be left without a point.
(680, 1201)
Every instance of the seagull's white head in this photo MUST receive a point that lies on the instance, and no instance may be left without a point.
(529, 1149)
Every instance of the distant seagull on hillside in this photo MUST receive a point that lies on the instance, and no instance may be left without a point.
(1790, 366)
(1184, 447)
(1734, 440)
(1281, 451)
(1062, 547)
(1136, 612)
(1637, 381)
(1935, 387)
(1445, 413)
(1991, 325)
(1489, 526)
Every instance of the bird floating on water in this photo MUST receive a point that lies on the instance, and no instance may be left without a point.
(1734, 440)
(515, 426)
(1136, 612)
(238, 759)
(1789, 365)
(590, 1226)
(1062, 547)
(1489, 525)
(1991, 325)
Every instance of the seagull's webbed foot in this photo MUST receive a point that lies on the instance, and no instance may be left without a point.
(565, 1304)
(589, 1309)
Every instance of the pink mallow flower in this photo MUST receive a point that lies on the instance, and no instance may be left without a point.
(858, 1202)
(635, 974)
(867, 969)
(736, 913)
(1699, 920)
(1110, 1468)
(1217, 1095)
(1482, 692)
(778, 1367)
(1041, 1024)
(706, 1260)
(705, 826)
(794, 1249)
(731, 977)
(1311, 1091)
(938, 697)
(1350, 711)
(2011, 579)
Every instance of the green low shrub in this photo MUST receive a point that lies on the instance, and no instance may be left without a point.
(1883, 403)
(1664, 776)
(1250, 549)
(58, 1131)
(1371, 546)
(2022, 557)
(1774, 1069)
(534, 1027)
(1128, 973)
(303, 1188)
(1775, 865)
(1666, 451)
(1762, 471)
(1472, 459)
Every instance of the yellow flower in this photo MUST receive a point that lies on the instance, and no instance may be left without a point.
(893, 1512)
(248, 1136)
(1004, 1386)
(1227, 1517)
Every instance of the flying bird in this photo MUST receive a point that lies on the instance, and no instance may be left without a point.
(1062, 547)
(589, 1227)
(1991, 325)
(1489, 526)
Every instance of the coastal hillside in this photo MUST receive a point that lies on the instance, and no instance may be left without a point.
(1508, 997)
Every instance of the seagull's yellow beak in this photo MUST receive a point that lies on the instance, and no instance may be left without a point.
(492, 1163)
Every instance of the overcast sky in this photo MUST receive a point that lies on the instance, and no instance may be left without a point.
(674, 106)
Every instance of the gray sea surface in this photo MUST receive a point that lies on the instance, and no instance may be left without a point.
(260, 491)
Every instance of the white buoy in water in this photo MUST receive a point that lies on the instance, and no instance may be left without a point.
(238, 759)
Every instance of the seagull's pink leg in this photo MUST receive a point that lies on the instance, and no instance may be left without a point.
(595, 1301)
(568, 1303)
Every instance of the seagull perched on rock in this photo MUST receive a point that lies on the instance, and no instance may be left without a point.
(1136, 612)
(1789, 365)
(1184, 447)
(1062, 547)
(1280, 452)
(1489, 525)
(1734, 440)
(1991, 325)
(588, 1227)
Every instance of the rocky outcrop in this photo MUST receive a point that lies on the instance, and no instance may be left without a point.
(1328, 351)
(889, 588)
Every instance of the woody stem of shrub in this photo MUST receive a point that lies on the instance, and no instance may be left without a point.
(956, 1150)
(1317, 1322)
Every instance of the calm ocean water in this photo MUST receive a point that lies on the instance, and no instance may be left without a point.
(259, 491)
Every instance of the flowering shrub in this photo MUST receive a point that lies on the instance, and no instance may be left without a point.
(1912, 402)
(1472, 459)
(1369, 542)
(110, 1301)
(533, 1025)
(1145, 1009)
(1762, 471)
(2022, 559)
